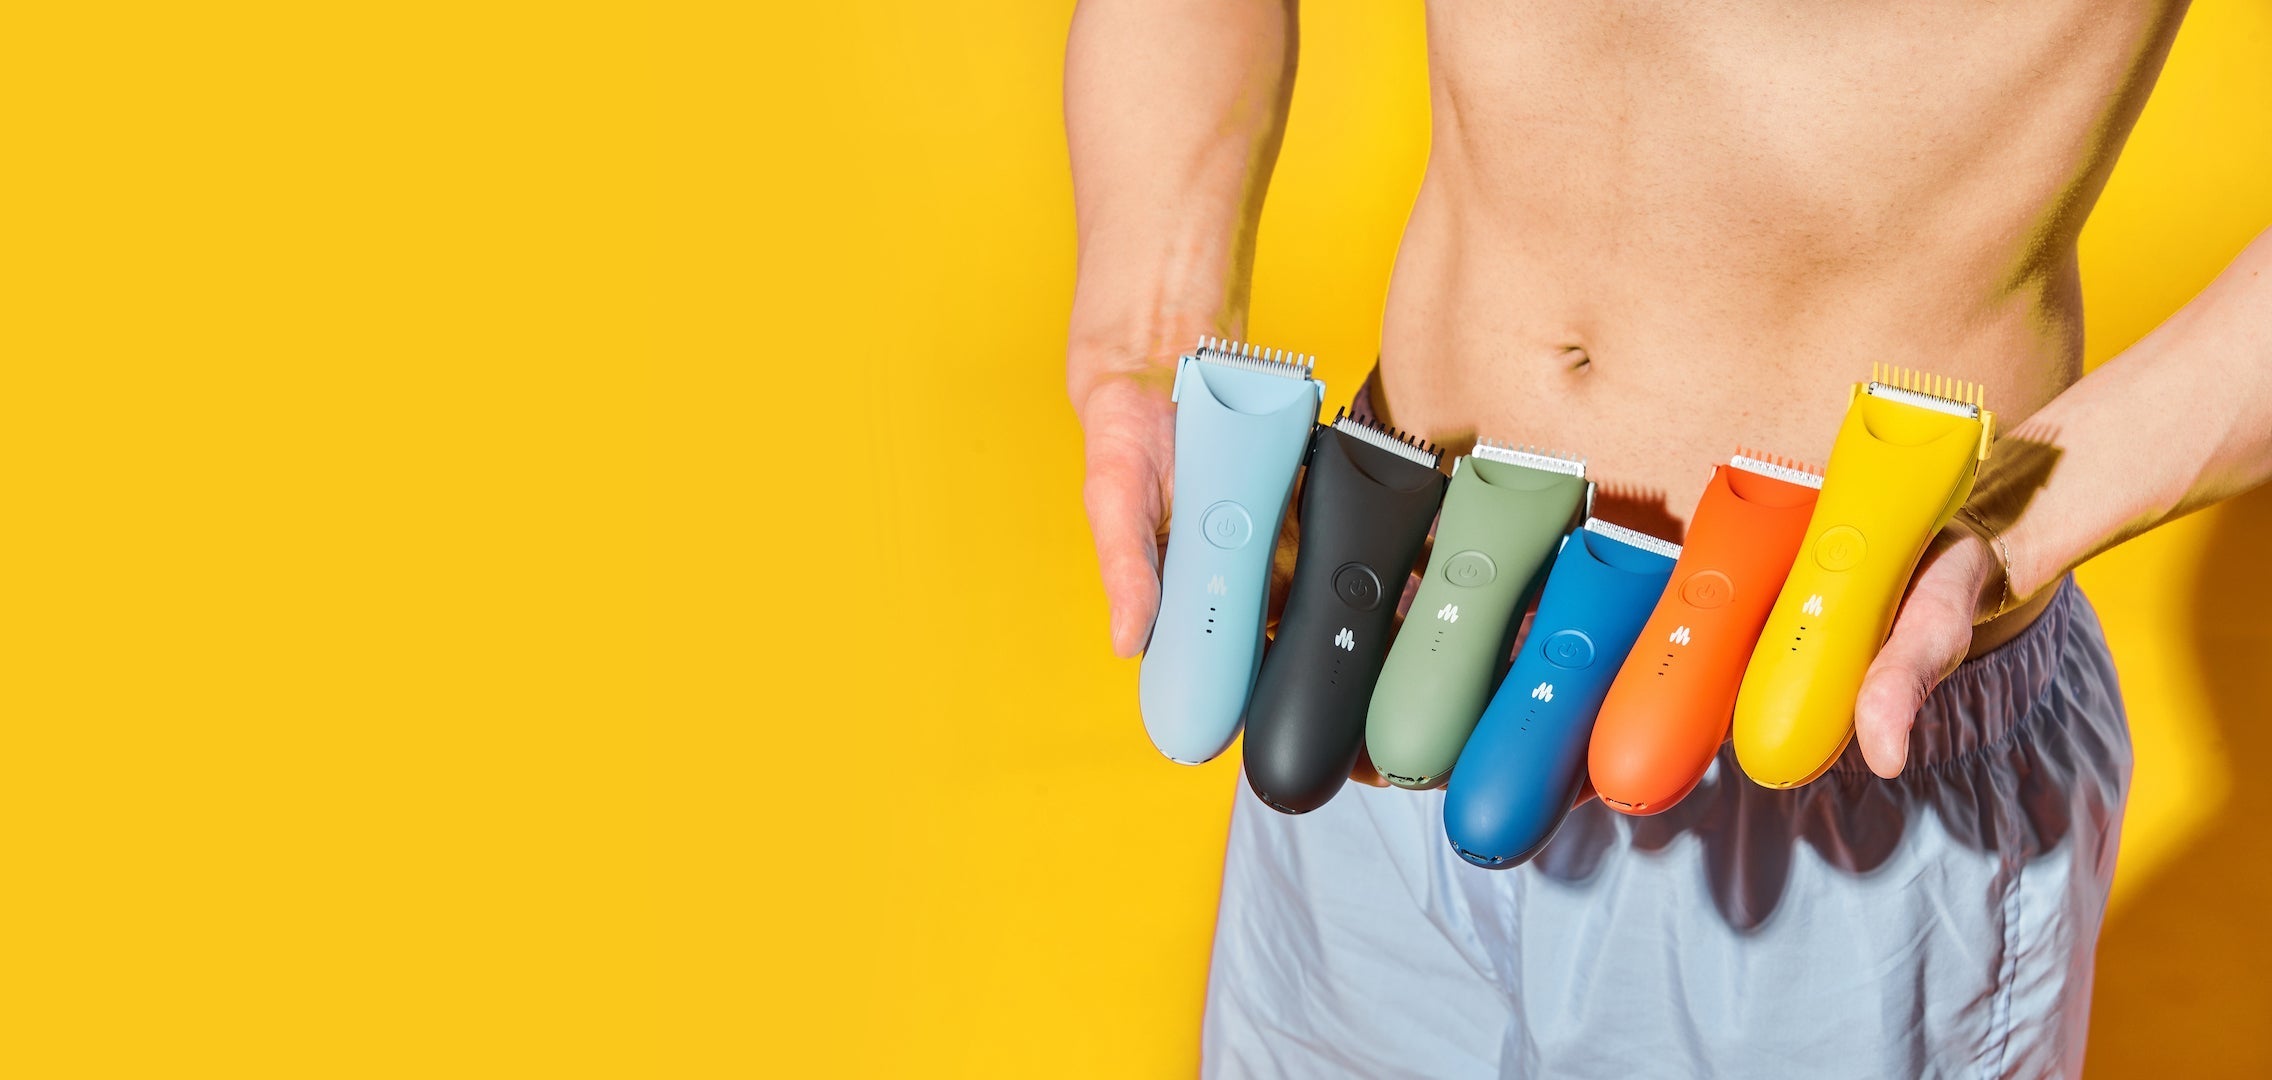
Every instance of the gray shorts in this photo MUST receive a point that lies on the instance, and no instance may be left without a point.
(1940, 924)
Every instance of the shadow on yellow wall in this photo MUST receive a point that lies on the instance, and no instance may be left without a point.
(2181, 957)
(2183, 960)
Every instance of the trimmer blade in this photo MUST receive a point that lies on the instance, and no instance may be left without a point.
(1239, 354)
(1409, 447)
(1778, 468)
(1924, 390)
(1530, 457)
(1633, 538)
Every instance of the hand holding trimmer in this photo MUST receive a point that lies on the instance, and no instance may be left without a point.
(1905, 460)
(1667, 713)
(1367, 498)
(1526, 762)
(1505, 511)
(1243, 420)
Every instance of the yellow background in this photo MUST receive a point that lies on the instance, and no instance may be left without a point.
(543, 539)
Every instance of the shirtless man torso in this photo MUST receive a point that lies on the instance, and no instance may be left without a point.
(1649, 232)
(1682, 222)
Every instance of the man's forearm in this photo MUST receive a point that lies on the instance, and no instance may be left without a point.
(1173, 115)
(2180, 420)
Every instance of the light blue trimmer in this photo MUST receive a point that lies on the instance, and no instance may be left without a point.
(1243, 420)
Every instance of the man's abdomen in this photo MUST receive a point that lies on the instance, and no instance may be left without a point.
(1649, 233)
(1657, 373)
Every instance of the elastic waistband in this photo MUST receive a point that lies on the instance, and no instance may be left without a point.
(1988, 696)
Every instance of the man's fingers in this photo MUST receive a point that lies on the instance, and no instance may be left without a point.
(1128, 435)
(1891, 695)
(1124, 515)
(1929, 640)
(1282, 562)
(1364, 772)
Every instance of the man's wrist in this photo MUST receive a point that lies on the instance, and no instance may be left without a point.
(1142, 349)
(1996, 594)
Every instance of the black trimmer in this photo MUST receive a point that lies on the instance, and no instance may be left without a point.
(1367, 502)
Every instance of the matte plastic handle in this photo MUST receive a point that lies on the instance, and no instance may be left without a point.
(1896, 475)
(1667, 714)
(1499, 525)
(1365, 514)
(1239, 440)
(1526, 762)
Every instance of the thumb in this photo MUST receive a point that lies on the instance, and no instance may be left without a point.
(1128, 433)
(1126, 523)
(1930, 637)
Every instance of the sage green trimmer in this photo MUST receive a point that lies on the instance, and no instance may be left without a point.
(1507, 510)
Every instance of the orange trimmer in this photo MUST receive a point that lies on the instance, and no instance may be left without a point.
(1667, 713)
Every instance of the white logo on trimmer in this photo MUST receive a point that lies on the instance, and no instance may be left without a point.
(1545, 692)
(1813, 606)
(1346, 640)
(1680, 636)
(1215, 586)
(1449, 613)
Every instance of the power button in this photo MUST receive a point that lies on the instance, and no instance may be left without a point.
(1226, 525)
(1355, 584)
(1472, 569)
(1569, 649)
(1840, 548)
(1707, 589)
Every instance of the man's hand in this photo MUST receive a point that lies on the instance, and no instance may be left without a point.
(1128, 431)
(1168, 180)
(1930, 637)
(1128, 439)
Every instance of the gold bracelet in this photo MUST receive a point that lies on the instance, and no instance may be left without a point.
(2003, 553)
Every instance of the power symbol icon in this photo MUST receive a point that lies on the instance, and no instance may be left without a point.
(1471, 569)
(1840, 548)
(1569, 649)
(1707, 589)
(1357, 586)
(1226, 525)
